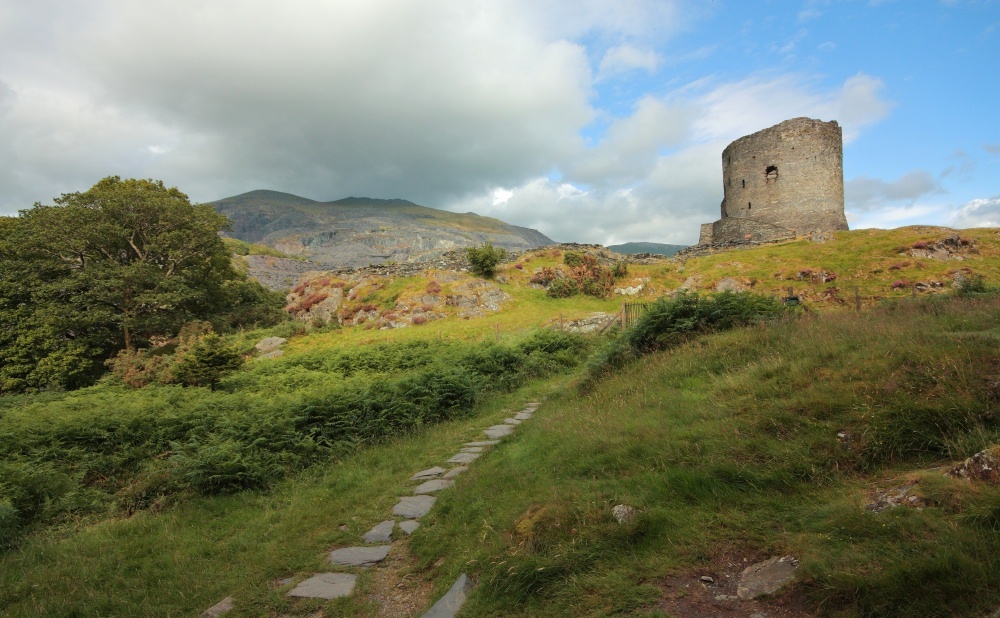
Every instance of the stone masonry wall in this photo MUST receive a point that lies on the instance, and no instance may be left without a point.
(789, 177)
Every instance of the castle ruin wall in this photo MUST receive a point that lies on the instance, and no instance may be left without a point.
(781, 182)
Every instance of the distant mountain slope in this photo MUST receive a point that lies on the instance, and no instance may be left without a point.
(358, 231)
(631, 248)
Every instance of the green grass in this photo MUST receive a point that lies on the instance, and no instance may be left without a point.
(185, 558)
(726, 444)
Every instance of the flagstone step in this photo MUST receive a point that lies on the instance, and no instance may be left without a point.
(359, 556)
(325, 586)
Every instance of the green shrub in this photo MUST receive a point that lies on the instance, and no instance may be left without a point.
(971, 285)
(670, 321)
(620, 269)
(115, 448)
(485, 259)
(563, 288)
(573, 258)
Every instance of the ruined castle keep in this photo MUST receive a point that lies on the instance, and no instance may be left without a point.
(782, 182)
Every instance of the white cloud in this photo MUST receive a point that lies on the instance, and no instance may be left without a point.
(980, 212)
(502, 196)
(624, 58)
(895, 216)
(761, 101)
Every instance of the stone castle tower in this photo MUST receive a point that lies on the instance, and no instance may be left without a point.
(781, 182)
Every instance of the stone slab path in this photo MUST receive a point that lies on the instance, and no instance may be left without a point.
(410, 508)
(380, 533)
(325, 586)
(428, 473)
(359, 556)
(413, 507)
(464, 458)
(448, 605)
(432, 486)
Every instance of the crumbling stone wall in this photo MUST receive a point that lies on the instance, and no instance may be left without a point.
(781, 182)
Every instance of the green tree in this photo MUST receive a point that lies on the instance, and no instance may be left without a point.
(108, 269)
(206, 361)
(485, 259)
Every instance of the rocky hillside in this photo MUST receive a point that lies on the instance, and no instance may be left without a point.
(356, 231)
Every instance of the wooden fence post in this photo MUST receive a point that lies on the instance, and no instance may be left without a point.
(623, 317)
(496, 328)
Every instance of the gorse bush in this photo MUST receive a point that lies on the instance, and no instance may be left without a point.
(670, 321)
(105, 447)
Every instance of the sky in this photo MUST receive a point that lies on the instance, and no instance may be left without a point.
(598, 121)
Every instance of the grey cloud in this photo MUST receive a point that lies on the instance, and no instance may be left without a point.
(992, 148)
(865, 193)
(435, 101)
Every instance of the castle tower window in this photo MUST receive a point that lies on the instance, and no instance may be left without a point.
(749, 206)
(771, 173)
(744, 184)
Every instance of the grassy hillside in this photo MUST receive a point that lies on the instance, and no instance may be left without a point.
(733, 447)
(631, 248)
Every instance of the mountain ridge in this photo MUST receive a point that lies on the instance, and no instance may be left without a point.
(362, 231)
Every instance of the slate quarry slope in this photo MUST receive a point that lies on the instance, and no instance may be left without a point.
(355, 232)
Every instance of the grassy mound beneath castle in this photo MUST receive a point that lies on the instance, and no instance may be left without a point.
(732, 447)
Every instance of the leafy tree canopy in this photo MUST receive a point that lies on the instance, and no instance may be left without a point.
(104, 270)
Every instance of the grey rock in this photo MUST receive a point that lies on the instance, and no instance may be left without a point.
(428, 473)
(728, 284)
(325, 586)
(766, 577)
(455, 472)
(623, 513)
(448, 605)
(409, 525)
(473, 449)
(498, 431)
(511, 421)
(219, 608)
(523, 416)
(483, 443)
(464, 458)
(360, 556)
(269, 344)
(412, 507)
(380, 533)
(432, 486)
(272, 354)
